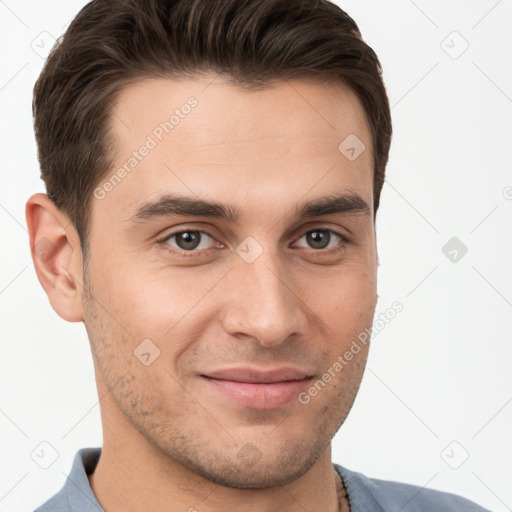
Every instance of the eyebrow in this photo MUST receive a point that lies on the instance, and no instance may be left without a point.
(170, 205)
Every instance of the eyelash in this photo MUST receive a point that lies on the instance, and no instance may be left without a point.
(194, 253)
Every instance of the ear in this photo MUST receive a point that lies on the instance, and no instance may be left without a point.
(57, 256)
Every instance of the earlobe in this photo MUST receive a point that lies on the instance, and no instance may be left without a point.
(57, 256)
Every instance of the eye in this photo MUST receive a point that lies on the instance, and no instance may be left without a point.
(190, 240)
(321, 239)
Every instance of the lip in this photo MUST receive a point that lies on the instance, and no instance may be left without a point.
(255, 376)
(258, 389)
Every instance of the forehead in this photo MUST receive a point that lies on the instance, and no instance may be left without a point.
(226, 114)
(208, 138)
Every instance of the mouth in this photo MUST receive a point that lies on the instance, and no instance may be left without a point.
(258, 389)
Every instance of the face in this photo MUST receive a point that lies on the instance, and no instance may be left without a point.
(212, 325)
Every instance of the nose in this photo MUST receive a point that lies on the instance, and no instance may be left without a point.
(263, 302)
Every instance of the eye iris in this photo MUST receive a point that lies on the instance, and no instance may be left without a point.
(189, 238)
(319, 237)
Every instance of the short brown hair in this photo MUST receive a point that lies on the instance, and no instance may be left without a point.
(112, 43)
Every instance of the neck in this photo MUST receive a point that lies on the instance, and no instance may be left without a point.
(131, 471)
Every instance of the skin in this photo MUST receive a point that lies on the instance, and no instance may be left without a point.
(170, 440)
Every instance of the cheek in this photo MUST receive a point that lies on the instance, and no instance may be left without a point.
(347, 313)
(349, 298)
(152, 299)
(146, 295)
(169, 308)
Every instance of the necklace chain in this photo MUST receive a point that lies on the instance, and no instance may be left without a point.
(343, 503)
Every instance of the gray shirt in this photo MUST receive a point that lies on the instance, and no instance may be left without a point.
(365, 494)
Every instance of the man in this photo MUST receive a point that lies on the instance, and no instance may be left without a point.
(213, 172)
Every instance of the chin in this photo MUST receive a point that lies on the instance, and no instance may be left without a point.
(244, 464)
(264, 473)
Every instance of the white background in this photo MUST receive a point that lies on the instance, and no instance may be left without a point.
(438, 373)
